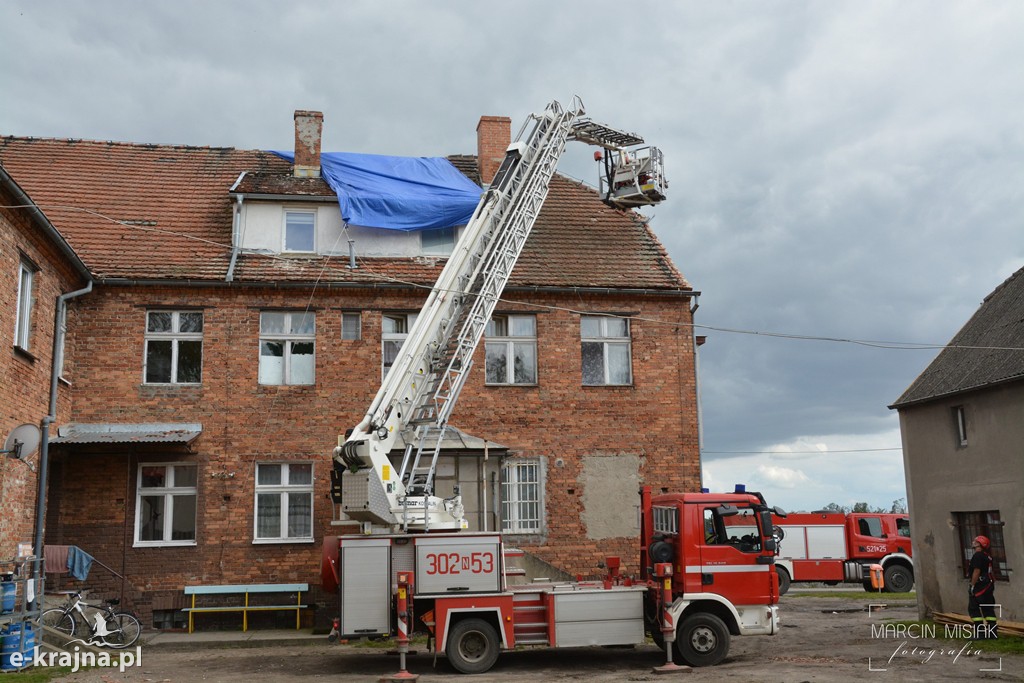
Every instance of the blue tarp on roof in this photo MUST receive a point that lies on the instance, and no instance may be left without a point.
(398, 193)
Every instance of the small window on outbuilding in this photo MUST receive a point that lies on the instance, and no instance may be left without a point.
(960, 422)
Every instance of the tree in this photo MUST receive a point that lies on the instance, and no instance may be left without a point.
(899, 505)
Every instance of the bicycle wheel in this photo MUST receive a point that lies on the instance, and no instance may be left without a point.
(57, 618)
(124, 630)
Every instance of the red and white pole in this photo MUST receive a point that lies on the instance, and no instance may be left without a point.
(404, 588)
(663, 571)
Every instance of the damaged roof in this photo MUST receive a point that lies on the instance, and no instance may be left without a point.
(164, 213)
(988, 350)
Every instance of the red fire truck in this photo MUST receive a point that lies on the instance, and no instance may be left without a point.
(415, 566)
(833, 547)
(454, 587)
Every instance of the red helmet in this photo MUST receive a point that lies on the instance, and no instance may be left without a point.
(982, 541)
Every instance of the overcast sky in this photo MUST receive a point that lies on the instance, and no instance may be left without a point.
(851, 170)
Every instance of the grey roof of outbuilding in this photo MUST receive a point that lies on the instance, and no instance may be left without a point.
(82, 433)
(987, 351)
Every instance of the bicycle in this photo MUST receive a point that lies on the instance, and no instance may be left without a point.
(107, 627)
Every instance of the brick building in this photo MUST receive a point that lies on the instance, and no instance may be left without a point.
(227, 342)
(38, 266)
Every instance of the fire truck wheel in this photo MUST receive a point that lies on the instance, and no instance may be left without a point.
(784, 580)
(472, 646)
(898, 579)
(702, 640)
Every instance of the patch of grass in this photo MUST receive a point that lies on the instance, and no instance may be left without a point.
(863, 596)
(38, 674)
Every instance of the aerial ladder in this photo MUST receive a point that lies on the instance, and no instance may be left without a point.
(421, 388)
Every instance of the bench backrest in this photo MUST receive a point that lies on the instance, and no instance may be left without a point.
(248, 588)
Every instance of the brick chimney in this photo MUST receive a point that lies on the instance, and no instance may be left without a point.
(308, 127)
(493, 135)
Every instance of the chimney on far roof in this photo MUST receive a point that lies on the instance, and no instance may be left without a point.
(308, 127)
(493, 135)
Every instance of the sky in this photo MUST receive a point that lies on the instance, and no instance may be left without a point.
(839, 172)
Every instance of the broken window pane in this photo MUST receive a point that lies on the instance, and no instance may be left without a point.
(524, 370)
(159, 321)
(158, 362)
(496, 363)
(151, 515)
(190, 322)
(593, 363)
(190, 362)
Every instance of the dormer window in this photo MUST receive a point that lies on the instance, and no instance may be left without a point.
(299, 232)
(439, 242)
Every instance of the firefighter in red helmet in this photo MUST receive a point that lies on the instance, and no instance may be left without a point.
(981, 604)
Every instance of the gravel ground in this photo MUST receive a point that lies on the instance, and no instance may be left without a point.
(822, 639)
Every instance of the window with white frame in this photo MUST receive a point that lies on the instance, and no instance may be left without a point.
(522, 504)
(605, 346)
(287, 345)
(284, 502)
(394, 330)
(165, 504)
(174, 347)
(511, 349)
(300, 231)
(439, 242)
(23, 315)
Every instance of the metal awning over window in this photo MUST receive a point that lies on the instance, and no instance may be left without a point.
(106, 433)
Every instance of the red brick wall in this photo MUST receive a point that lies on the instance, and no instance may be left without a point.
(243, 422)
(25, 378)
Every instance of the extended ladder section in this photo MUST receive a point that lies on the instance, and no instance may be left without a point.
(423, 385)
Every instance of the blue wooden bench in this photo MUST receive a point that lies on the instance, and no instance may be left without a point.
(245, 607)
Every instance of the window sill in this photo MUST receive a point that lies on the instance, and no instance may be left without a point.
(161, 544)
(507, 386)
(282, 541)
(24, 354)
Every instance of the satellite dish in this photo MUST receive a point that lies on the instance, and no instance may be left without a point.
(23, 441)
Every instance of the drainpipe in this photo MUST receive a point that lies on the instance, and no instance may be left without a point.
(236, 228)
(44, 442)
